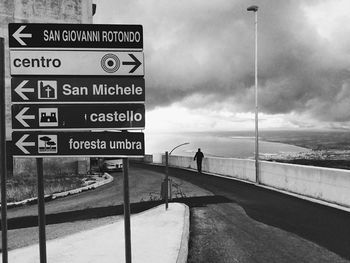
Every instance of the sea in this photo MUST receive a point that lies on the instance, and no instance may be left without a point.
(216, 144)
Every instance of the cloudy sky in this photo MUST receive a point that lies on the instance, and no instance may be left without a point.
(199, 58)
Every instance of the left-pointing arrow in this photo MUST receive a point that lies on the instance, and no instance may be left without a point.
(21, 144)
(20, 90)
(21, 117)
(18, 35)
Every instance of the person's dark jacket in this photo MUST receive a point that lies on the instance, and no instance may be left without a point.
(199, 156)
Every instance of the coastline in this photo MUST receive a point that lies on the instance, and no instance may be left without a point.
(318, 148)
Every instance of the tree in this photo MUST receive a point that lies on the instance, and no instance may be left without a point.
(46, 139)
(51, 143)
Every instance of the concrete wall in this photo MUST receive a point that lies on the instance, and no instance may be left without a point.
(324, 184)
(236, 168)
(52, 166)
(157, 158)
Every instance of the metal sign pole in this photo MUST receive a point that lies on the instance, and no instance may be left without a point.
(256, 102)
(255, 9)
(41, 210)
(3, 169)
(127, 211)
(166, 179)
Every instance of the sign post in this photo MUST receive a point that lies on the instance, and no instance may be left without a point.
(78, 116)
(3, 169)
(127, 230)
(69, 81)
(166, 180)
(55, 89)
(70, 62)
(41, 210)
(67, 36)
(78, 144)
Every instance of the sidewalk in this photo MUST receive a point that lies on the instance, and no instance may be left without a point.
(157, 236)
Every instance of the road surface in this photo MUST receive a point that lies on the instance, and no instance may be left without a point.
(230, 221)
(259, 225)
(75, 213)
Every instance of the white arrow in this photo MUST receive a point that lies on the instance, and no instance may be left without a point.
(20, 89)
(21, 117)
(18, 35)
(21, 143)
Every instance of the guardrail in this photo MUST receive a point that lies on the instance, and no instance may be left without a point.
(324, 184)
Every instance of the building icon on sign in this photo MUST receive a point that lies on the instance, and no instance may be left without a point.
(47, 89)
(48, 117)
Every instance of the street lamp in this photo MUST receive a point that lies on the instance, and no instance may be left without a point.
(254, 9)
(166, 180)
(178, 147)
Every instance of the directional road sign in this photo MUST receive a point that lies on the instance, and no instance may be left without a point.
(68, 62)
(91, 36)
(77, 90)
(88, 144)
(78, 116)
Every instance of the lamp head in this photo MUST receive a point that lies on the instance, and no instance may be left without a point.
(253, 8)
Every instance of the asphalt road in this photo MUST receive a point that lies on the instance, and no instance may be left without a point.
(89, 209)
(259, 225)
(230, 221)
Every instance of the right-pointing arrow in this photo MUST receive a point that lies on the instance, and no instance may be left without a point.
(21, 117)
(135, 62)
(21, 144)
(18, 35)
(20, 89)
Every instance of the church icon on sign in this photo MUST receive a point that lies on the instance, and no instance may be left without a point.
(47, 89)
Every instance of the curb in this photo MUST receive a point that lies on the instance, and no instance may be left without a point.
(183, 244)
(108, 179)
(183, 250)
(34, 200)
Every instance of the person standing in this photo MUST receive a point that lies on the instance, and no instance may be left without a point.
(199, 157)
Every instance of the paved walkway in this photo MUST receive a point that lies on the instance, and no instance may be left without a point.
(156, 235)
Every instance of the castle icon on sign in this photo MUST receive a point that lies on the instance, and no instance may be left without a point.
(48, 117)
(47, 89)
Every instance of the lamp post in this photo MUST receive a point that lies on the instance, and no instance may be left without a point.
(254, 9)
(178, 147)
(166, 180)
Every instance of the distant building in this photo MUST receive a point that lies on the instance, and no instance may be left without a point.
(37, 11)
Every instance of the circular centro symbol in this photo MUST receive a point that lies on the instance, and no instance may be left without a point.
(110, 63)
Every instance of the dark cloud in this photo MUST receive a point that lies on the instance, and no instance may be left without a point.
(206, 48)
